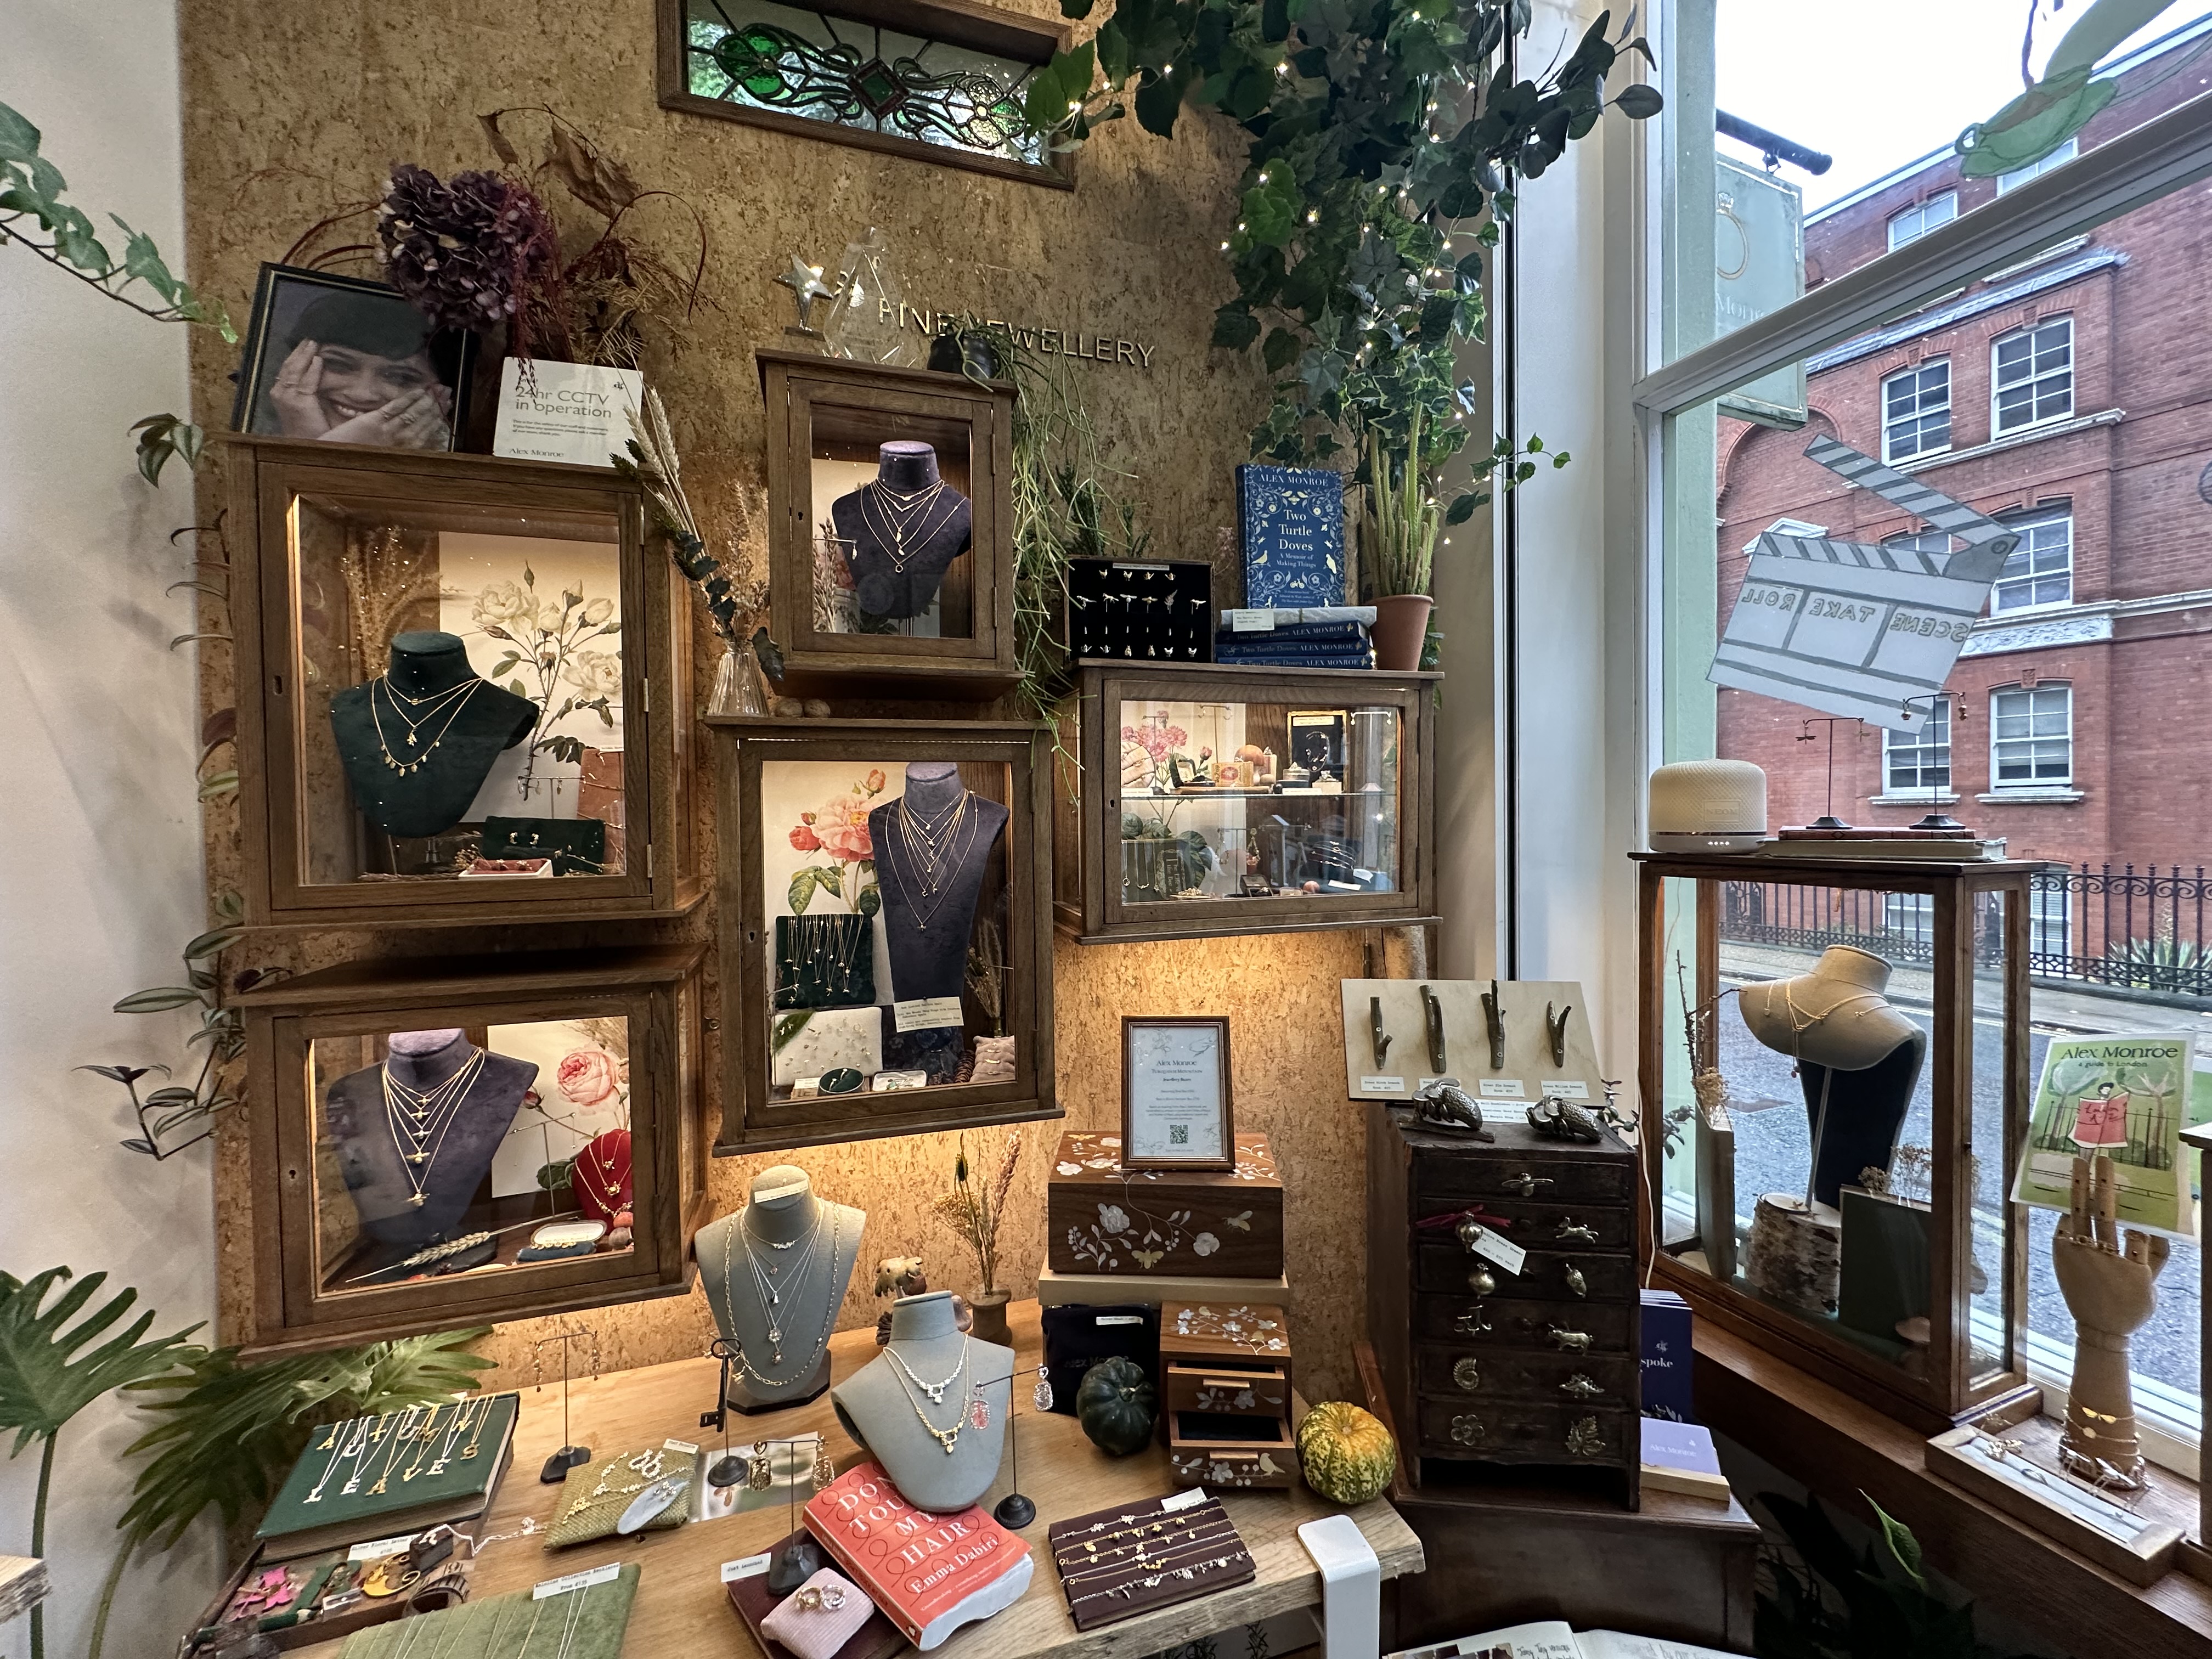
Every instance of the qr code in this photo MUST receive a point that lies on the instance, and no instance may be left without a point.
(1178, 1134)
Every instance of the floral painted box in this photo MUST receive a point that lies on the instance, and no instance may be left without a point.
(1103, 1218)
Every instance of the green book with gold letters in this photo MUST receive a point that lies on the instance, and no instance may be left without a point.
(398, 1473)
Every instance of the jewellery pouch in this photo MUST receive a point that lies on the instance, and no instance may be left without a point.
(583, 1624)
(587, 1512)
(827, 1039)
(825, 960)
(578, 846)
(1078, 1337)
(805, 1623)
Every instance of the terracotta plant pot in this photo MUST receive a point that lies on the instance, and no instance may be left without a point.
(990, 1308)
(1401, 622)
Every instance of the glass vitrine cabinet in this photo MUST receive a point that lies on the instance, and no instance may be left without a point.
(1217, 799)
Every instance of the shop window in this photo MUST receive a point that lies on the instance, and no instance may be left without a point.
(2032, 736)
(2031, 375)
(1916, 411)
(1916, 222)
(2040, 570)
(1918, 760)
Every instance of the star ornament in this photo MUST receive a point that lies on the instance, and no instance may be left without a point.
(807, 286)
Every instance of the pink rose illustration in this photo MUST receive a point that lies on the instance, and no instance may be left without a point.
(876, 782)
(804, 840)
(589, 1077)
(841, 827)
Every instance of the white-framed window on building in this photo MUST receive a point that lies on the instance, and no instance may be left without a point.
(2032, 736)
(2040, 570)
(2057, 158)
(1919, 761)
(1916, 410)
(2050, 917)
(1909, 918)
(2031, 375)
(1911, 224)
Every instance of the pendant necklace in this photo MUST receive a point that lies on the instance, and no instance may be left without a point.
(353, 1447)
(770, 1298)
(932, 863)
(947, 1438)
(421, 1120)
(934, 1390)
(412, 741)
(897, 521)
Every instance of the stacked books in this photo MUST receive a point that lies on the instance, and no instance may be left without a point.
(1316, 637)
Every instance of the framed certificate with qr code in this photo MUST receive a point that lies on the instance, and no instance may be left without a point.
(1174, 1095)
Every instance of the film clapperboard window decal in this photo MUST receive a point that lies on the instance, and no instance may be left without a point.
(1853, 628)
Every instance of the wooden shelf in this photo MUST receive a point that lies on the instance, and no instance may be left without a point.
(1841, 1448)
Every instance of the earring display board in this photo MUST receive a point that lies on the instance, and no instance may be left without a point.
(885, 929)
(1224, 800)
(1831, 1138)
(891, 539)
(1394, 1044)
(463, 691)
(471, 1139)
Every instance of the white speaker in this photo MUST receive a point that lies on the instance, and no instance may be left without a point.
(1708, 806)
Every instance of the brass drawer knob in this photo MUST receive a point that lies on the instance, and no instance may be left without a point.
(1481, 1279)
(1570, 1342)
(1576, 1282)
(1466, 1431)
(1473, 1323)
(1467, 1375)
(1579, 1387)
(1586, 1439)
(1525, 1183)
(1577, 1231)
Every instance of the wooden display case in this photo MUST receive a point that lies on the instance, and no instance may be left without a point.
(1238, 1213)
(828, 420)
(1908, 1313)
(807, 810)
(574, 1047)
(541, 579)
(1199, 814)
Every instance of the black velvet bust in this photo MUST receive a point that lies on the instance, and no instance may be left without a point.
(448, 762)
(1866, 1109)
(926, 935)
(370, 1160)
(880, 587)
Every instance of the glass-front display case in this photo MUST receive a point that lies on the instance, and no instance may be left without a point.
(1834, 1067)
(463, 690)
(889, 526)
(887, 933)
(1225, 799)
(462, 1138)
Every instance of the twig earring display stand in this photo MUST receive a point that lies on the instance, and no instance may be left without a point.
(925, 1409)
(1858, 1061)
(570, 1455)
(1015, 1509)
(774, 1273)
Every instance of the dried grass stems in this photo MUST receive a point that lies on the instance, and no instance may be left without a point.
(973, 1208)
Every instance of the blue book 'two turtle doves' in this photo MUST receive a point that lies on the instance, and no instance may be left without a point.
(1291, 521)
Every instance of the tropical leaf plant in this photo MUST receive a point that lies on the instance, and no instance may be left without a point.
(52, 1368)
(229, 1433)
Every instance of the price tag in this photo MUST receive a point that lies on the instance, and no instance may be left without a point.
(1501, 1088)
(576, 1581)
(1120, 1319)
(1491, 1247)
(1566, 1088)
(1382, 1085)
(1182, 1500)
(925, 1014)
(1252, 621)
(684, 1446)
(751, 1567)
(1430, 1082)
(377, 1548)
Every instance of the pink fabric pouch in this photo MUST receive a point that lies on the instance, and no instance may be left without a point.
(810, 1626)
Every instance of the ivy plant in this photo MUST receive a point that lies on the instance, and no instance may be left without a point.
(1388, 139)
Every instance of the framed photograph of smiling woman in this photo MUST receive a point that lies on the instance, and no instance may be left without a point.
(348, 362)
(1174, 1095)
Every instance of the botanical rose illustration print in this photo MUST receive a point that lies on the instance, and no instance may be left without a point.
(840, 829)
(589, 1077)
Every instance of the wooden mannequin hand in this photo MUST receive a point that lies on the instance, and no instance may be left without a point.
(2109, 1293)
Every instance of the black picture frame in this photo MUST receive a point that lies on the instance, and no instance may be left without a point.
(1317, 735)
(286, 299)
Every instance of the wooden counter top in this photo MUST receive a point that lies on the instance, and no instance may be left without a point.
(681, 1607)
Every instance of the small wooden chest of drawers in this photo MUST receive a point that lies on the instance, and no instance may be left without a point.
(1534, 1369)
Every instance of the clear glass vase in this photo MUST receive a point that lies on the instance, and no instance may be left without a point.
(740, 688)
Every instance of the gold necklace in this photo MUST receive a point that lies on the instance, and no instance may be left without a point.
(423, 1444)
(948, 1439)
(405, 767)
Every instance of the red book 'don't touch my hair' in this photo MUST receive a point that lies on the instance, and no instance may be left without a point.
(929, 1573)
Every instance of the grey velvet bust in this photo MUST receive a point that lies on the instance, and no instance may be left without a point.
(876, 1408)
(784, 1207)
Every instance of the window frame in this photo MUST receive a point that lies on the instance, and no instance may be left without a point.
(1926, 738)
(1889, 453)
(2069, 151)
(1997, 388)
(2000, 784)
(1918, 213)
(2026, 524)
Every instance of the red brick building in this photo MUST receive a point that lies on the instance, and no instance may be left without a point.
(2069, 395)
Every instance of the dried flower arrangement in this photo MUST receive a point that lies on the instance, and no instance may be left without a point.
(973, 1209)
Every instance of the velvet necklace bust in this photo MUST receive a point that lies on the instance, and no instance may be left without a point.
(901, 533)
(418, 742)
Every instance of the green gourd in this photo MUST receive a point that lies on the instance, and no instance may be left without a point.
(1347, 1453)
(1116, 1405)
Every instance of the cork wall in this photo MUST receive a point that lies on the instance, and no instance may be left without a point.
(292, 113)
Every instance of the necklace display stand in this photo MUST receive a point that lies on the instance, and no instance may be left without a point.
(570, 1455)
(775, 1274)
(375, 1132)
(900, 534)
(914, 1407)
(933, 848)
(418, 742)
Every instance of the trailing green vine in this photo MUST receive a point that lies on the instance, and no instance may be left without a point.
(1387, 140)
